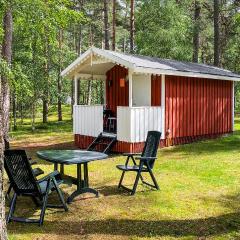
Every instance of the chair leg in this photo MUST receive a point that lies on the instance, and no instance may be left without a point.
(141, 177)
(59, 192)
(12, 207)
(44, 205)
(153, 178)
(137, 179)
(121, 179)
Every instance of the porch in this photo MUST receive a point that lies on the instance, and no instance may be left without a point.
(132, 102)
(133, 123)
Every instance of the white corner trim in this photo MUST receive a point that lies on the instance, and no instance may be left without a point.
(233, 103)
(130, 88)
(75, 89)
(163, 105)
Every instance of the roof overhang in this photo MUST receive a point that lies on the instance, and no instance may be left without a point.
(183, 74)
(94, 64)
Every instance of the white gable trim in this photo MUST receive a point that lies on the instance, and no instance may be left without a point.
(184, 74)
(74, 64)
(113, 58)
(108, 56)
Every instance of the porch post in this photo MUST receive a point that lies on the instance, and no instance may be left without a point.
(75, 89)
(104, 92)
(130, 87)
(163, 105)
(233, 105)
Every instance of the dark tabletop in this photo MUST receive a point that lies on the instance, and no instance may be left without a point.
(70, 156)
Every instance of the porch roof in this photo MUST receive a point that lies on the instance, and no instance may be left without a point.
(98, 61)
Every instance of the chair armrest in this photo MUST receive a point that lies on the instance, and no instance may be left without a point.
(50, 175)
(131, 154)
(145, 158)
(32, 162)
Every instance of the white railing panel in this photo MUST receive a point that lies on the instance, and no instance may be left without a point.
(133, 123)
(88, 120)
(123, 123)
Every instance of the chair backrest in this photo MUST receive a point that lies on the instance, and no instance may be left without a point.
(6, 144)
(151, 146)
(20, 172)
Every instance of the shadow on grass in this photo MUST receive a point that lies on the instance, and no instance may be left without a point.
(113, 190)
(200, 227)
(204, 227)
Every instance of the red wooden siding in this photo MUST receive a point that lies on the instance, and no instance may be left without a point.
(156, 90)
(197, 108)
(116, 95)
(84, 141)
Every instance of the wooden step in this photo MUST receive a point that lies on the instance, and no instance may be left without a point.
(104, 141)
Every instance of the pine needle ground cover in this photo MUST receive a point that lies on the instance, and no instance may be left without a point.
(199, 196)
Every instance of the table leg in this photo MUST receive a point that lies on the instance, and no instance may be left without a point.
(79, 177)
(55, 166)
(86, 182)
(82, 184)
(62, 169)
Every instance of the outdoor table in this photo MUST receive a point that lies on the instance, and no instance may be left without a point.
(78, 157)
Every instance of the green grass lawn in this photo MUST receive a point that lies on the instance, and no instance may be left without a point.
(199, 196)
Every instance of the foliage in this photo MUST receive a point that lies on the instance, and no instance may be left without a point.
(167, 26)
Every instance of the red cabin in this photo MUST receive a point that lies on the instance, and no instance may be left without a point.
(185, 101)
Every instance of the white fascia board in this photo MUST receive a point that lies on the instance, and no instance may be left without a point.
(73, 65)
(184, 74)
(113, 58)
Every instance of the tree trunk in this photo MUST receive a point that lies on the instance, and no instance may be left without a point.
(196, 31)
(78, 91)
(4, 113)
(33, 116)
(125, 20)
(21, 112)
(3, 229)
(35, 86)
(114, 26)
(59, 79)
(14, 110)
(106, 25)
(79, 48)
(7, 56)
(90, 35)
(89, 100)
(45, 108)
(132, 27)
(216, 34)
(46, 79)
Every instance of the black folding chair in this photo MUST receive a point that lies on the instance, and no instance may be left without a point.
(146, 158)
(36, 171)
(24, 183)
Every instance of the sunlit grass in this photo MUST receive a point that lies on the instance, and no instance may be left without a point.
(199, 196)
